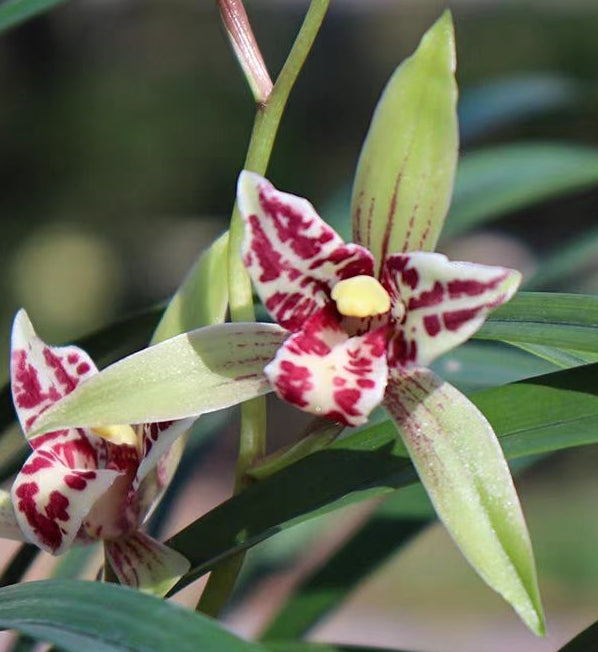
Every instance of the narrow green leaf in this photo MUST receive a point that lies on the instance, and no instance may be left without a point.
(462, 467)
(565, 321)
(404, 177)
(570, 257)
(546, 413)
(510, 100)
(390, 527)
(302, 646)
(19, 564)
(202, 298)
(14, 12)
(479, 365)
(586, 641)
(205, 370)
(495, 181)
(109, 618)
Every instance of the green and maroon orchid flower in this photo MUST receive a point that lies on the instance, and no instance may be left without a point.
(81, 485)
(353, 334)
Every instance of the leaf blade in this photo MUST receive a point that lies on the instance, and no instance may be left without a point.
(105, 617)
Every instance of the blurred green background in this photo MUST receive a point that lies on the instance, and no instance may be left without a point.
(124, 124)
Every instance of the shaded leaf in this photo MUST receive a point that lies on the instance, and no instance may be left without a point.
(19, 564)
(389, 528)
(14, 12)
(570, 257)
(108, 618)
(302, 646)
(404, 177)
(587, 641)
(495, 181)
(508, 100)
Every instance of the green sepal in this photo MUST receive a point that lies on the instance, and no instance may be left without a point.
(202, 371)
(461, 465)
(404, 179)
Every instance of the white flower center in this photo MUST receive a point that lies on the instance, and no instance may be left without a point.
(361, 296)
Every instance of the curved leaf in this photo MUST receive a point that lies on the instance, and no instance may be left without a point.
(405, 174)
(508, 100)
(586, 641)
(498, 180)
(14, 12)
(109, 618)
(392, 526)
(565, 321)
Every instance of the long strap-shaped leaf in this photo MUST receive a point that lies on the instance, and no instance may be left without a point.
(586, 641)
(302, 646)
(566, 321)
(14, 12)
(546, 413)
(108, 618)
(392, 525)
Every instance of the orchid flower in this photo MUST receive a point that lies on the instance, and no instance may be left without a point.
(362, 333)
(80, 485)
(354, 336)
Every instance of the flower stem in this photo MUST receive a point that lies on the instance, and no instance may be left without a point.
(253, 413)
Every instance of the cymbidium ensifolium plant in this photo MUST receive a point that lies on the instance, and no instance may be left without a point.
(357, 326)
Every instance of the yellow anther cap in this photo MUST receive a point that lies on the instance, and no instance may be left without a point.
(360, 296)
(117, 434)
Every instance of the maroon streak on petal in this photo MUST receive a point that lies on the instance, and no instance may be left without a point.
(438, 304)
(42, 375)
(293, 257)
(51, 500)
(324, 371)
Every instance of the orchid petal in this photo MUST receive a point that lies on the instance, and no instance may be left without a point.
(146, 564)
(293, 257)
(443, 302)
(41, 375)
(9, 525)
(202, 371)
(322, 370)
(404, 177)
(52, 500)
(462, 467)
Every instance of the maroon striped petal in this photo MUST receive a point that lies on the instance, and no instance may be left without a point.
(41, 375)
(145, 564)
(322, 370)
(51, 500)
(293, 257)
(438, 304)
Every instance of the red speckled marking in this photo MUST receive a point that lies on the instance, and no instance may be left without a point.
(45, 526)
(292, 255)
(293, 382)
